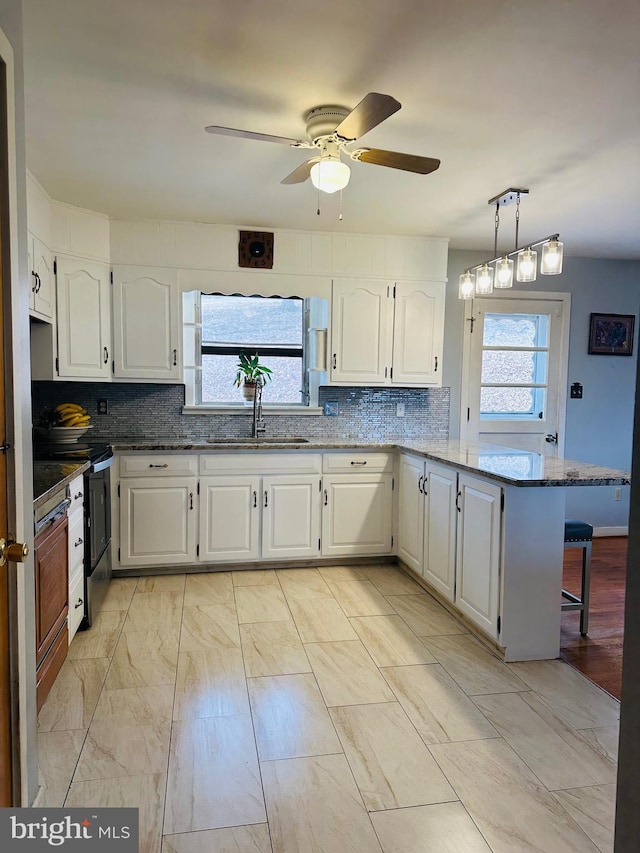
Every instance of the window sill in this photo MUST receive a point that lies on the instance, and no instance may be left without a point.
(247, 411)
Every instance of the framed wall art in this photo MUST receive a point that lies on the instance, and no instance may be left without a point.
(611, 334)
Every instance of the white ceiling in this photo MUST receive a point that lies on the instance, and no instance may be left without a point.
(507, 93)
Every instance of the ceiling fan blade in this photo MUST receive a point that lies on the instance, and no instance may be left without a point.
(249, 134)
(373, 109)
(395, 160)
(300, 174)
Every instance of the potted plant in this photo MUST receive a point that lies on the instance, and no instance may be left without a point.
(249, 373)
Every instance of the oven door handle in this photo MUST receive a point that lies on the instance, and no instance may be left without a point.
(102, 464)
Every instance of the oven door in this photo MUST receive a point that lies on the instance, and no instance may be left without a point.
(98, 519)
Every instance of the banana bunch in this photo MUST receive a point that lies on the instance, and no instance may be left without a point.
(71, 414)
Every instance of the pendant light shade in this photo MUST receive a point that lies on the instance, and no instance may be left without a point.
(552, 254)
(484, 280)
(527, 268)
(467, 286)
(330, 174)
(504, 273)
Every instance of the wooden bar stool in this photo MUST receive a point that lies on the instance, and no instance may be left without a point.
(579, 534)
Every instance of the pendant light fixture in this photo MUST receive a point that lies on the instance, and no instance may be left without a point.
(481, 279)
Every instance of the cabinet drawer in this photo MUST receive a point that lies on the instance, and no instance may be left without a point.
(50, 666)
(357, 462)
(152, 465)
(76, 493)
(76, 543)
(76, 604)
(300, 462)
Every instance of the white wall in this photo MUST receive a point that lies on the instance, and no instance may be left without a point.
(599, 428)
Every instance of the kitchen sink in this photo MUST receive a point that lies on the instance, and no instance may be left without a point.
(262, 440)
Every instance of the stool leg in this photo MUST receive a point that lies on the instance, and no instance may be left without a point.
(586, 581)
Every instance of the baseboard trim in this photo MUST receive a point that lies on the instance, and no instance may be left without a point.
(611, 531)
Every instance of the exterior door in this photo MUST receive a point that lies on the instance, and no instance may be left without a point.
(516, 353)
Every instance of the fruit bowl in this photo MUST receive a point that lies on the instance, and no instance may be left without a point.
(62, 434)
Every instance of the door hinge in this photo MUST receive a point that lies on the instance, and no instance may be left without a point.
(118, 489)
(113, 366)
(198, 488)
(55, 266)
(385, 372)
(393, 483)
(391, 373)
(392, 541)
(197, 550)
(118, 554)
(499, 624)
(394, 291)
(57, 365)
(502, 502)
(111, 277)
(319, 545)
(320, 485)
(468, 414)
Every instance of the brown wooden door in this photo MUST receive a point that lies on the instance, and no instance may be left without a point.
(5, 682)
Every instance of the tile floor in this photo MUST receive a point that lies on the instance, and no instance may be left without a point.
(337, 709)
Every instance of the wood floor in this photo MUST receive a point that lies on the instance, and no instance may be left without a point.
(598, 655)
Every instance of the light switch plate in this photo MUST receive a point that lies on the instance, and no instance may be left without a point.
(399, 410)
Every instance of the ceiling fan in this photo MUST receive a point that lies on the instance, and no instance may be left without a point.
(331, 129)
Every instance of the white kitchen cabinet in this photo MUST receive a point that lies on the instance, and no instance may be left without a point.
(41, 280)
(230, 509)
(75, 516)
(84, 319)
(478, 551)
(146, 324)
(290, 516)
(356, 514)
(387, 333)
(427, 521)
(158, 520)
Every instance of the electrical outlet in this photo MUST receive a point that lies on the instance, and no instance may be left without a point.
(103, 406)
(331, 409)
(399, 410)
(617, 494)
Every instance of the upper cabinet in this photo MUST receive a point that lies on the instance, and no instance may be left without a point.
(41, 280)
(146, 324)
(84, 319)
(387, 333)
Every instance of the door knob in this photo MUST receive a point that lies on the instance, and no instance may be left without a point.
(13, 552)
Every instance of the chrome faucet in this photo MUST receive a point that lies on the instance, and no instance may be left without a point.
(258, 425)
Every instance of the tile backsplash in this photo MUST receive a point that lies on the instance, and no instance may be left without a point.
(155, 412)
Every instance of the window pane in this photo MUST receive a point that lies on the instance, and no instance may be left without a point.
(219, 371)
(508, 401)
(516, 330)
(251, 320)
(514, 366)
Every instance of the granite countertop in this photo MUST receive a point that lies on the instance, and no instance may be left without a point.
(503, 464)
(49, 476)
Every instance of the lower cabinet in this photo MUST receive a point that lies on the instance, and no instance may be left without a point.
(449, 531)
(75, 517)
(478, 551)
(356, 514)
(247, 517)
(52, 601)
(158, 521)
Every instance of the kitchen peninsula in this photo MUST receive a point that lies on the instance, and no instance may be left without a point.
(481, 525)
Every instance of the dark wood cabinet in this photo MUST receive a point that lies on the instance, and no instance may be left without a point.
(52, 604)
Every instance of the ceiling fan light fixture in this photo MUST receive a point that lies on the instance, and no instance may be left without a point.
(330, 174)
(551, 261)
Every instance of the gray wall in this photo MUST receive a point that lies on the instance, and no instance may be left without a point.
(599, 428)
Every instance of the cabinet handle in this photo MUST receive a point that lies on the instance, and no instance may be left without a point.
(190, 500)
(78, 496)
(175, 357)
(420, 479)
(34, 287)
(255, 498)
(106, 355)
(435, 367)
(164, 465)
(458, 496)
(326, 497)
(79, 603)
(335, 361)
(358, 463)
(38, 283)
(78, 543)
(266, 498)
